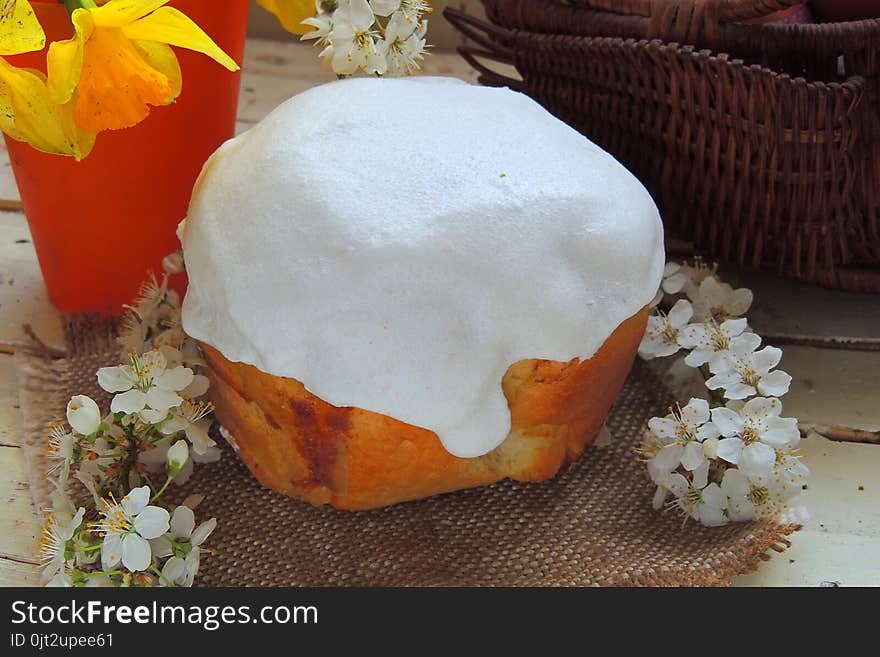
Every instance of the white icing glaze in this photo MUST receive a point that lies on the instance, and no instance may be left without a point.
(397, 244)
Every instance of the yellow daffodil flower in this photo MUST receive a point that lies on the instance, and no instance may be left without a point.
(291, 13)
(119, 62)
(20, 31)
(27, 113)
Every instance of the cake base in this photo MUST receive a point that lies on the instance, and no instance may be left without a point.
(297, 444)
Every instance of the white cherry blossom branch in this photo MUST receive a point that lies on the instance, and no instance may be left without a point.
(157, 425)
(733, 458)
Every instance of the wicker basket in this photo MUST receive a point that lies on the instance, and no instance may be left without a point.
(761, 143)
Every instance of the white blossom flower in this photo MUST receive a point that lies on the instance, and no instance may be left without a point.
(766, 495)
(99, 582)
(192, 358)
(183, 541)
(748, 499)
(189, 418)
(696, 499)
(740, 497)
(752, 436)
(674, 279)
(156, 459)
(197, 388)
(321, 24)
(415, 8)
(743, 372)
(660, 496)
(405, 44)
(145, 383)
(59, 452)
(792, 470)
(173, 263)
(61, 580)
(697, 271)
(62, 505)
(708, 339)
(182, 571)
(56, 533)
(785, 481)
(650, 447)
(384, 7)
(156, 312)
(353, 40)
(127, 528)
(682, 432)
(187, 355)
(152, 294)
(91, 477)
(169, 331)
(719, 301)
(661, 335)
(710, 448)
(83, 415)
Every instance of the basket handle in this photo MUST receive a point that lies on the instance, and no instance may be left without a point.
(698, 21)
(492, 41)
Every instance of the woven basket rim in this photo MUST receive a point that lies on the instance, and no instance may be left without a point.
(770, 26)
(832, 33)
(856, 83)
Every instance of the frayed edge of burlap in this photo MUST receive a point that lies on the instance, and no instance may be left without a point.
(46, 382)
(774, 538)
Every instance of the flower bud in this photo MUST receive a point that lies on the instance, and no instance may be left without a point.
(178, 455)
(83, 415)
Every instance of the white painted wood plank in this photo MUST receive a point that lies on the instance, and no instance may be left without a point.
(841, 539)
(833, 387)
(818, 558)
(791, 308)
(10, 417)
(8, 188)
(23, 295)
(15, 573)
(19, 524)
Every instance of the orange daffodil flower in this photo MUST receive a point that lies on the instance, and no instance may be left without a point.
(291, 13)
(119, 62)
(27, 112)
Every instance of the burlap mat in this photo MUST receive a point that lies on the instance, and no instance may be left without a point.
(592, 525)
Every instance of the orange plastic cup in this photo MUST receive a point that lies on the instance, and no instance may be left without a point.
(101, 225)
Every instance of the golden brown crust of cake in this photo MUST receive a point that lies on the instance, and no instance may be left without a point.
(297, 444)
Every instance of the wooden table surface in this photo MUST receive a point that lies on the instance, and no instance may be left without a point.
(839, 543)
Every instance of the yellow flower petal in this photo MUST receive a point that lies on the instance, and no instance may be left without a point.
(117, 63)
(291, 13)
(27, 113)
(168, 25)
(117, 13)
(162, 58)
(65, 58)
(117, 85)
(20, 31)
